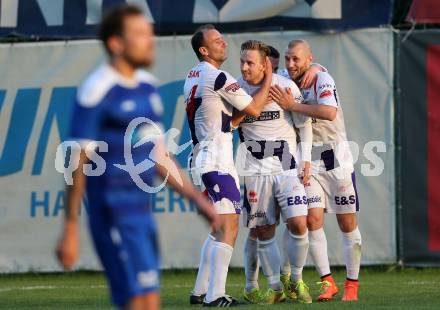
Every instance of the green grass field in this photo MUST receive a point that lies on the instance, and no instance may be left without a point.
(381, 288)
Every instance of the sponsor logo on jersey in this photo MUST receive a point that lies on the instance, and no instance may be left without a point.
(314, 199)
(253, 197)
(233, 87)
(326, 86)
(297, 200)
(264, 116)
(345, 200)
(325, 93)
(259, 214)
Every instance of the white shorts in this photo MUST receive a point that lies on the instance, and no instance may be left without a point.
(265, 194)
(333, 190)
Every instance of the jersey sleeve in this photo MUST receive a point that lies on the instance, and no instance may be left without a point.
(229, 89)
(85, 122)
(299, 120)
(325, 90)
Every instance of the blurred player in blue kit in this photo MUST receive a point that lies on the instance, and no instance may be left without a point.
(120, 218)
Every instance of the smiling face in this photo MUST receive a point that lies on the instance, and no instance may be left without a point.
(298, 59)
(252, 66)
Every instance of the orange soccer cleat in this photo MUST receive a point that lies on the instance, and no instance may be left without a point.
(350, 290)
(328, 288)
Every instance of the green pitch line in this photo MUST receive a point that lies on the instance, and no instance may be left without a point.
(381, 288)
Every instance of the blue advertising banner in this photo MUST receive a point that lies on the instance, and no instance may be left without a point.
(62, 19)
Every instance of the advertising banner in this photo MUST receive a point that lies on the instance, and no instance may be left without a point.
(37, 86)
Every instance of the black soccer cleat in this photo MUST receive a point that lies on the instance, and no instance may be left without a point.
(222, 302)
(196, 299)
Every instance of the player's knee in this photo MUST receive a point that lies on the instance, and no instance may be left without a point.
(314, 222)
(297, 225)
(347, 222)
(265, 232)
(230, 229)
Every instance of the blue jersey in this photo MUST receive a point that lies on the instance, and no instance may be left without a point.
(105, 105)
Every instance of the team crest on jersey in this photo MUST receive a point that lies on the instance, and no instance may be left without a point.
(233, 87)
(128, 105)
(305, 94)
(345, 187)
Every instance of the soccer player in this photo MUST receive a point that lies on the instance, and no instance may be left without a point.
(121, 224)
(211, 94)
(251, 261)
(270, 168)
(332, 185)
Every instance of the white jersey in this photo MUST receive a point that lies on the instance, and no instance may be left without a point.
(270, 146)
(329, 137)
(210, 95)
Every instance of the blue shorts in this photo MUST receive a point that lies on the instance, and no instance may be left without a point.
(128, 250)
(224, 191)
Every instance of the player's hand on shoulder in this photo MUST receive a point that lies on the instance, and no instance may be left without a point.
(310, 76)
(68, 247)
(283, 97)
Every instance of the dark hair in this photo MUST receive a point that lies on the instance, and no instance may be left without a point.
(273, 52)
(197, 40)
(112, 24)
(256, 46)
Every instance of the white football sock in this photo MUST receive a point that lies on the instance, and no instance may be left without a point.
(352, 242)
(201, 285)
(297, 248)
(318, 251)
(221, 254)
(269, 254)
(285, 259)
(251, 265)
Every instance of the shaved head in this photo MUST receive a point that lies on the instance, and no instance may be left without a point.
(303, 44)
(298, 58)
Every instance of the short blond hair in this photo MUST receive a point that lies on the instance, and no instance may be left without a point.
(255, 45)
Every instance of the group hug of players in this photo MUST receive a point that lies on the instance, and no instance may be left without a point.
(295, 176)
(295, 162)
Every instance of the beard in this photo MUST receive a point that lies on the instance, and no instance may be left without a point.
(137, 63)
(299, 74)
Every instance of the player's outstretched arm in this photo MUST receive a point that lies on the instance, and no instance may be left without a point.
(168, 168)
(259, 99)
(68, 246)
(286, 101)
